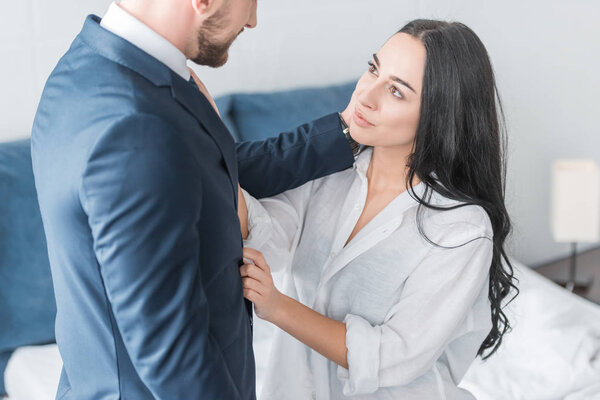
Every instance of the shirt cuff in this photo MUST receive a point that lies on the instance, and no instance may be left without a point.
(363, 342)
(259, 223)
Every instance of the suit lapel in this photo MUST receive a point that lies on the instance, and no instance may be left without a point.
(194, 102)
(124, 53)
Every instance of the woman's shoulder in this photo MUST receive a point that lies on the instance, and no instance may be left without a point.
(316, 188)
(334, 181)
(456, 216)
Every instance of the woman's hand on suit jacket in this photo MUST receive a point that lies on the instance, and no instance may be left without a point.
(258, 285)
(319, 332)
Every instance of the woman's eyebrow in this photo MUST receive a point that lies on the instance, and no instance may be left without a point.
(394, 78)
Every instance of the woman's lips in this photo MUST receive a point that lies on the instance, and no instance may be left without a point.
(360, 120)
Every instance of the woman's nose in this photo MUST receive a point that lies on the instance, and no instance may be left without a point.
(367, 98)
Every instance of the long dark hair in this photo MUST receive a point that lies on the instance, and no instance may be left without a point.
(459, 148)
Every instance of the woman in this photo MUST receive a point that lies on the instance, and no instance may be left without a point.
(393, 270)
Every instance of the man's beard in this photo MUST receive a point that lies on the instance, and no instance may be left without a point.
(210, 52)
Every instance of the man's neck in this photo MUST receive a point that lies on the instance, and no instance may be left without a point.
(160, 16)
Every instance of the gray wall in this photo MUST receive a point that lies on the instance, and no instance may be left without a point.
(546, 55)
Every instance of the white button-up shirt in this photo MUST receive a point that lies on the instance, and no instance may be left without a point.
(125, 25)
(415, 314)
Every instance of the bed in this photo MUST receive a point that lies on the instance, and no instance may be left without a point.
(552, 353)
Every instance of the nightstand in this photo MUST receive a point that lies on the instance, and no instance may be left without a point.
(588, 266)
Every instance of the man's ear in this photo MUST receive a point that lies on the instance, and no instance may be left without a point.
(205, 8)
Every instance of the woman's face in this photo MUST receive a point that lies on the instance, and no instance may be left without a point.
(387, 97)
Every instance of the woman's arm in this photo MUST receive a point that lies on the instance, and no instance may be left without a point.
(243, 213)
(436, 299)
(325, 335)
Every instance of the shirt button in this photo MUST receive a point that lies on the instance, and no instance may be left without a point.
(357, 206)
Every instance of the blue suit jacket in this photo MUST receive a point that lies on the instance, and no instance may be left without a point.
(137, 183)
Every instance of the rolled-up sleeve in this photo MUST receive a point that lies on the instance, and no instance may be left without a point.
(363, 342)
(435, 302)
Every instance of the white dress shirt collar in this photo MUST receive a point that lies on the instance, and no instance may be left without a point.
(125, 25)
(361, 164)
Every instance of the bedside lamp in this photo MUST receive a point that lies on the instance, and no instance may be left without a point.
(575, 209)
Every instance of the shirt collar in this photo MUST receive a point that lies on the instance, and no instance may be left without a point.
(125, 25)
(363, 159)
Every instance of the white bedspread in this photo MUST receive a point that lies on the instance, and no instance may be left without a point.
(552, 353)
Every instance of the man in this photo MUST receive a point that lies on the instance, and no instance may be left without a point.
(137, 183)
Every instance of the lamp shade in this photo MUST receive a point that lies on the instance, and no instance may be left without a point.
(575, 201)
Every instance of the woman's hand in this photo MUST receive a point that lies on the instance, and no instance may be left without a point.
(259, 287)
(325, 335)
(349, 111)
(204, 90)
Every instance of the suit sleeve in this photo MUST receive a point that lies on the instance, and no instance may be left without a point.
(142, 194)
(284, 162)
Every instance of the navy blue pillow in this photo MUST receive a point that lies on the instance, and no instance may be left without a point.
(260, 115)
(27, 305)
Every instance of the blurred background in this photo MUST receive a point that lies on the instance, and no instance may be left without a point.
(546, 55)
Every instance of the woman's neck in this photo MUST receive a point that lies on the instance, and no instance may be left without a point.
(388, 169)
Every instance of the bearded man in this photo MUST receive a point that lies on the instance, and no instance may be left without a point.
(137, 182)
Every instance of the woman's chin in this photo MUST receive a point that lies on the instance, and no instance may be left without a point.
(361, 138)
(359, 135)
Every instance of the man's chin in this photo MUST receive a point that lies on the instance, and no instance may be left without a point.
(222, 61)
(212, 62)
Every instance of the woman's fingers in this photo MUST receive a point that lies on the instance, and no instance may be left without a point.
(252, 271)
(252, 295)
(253, 284)
(347, 113)
(257, 258)
(258, 284)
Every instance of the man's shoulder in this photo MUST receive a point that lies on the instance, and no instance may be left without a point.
(139, 131)
(88, 74)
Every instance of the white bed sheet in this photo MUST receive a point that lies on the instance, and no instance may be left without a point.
(33, 372)
(552, 353)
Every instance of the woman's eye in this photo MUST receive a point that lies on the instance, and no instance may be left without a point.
(373, 69)
(396, 92)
